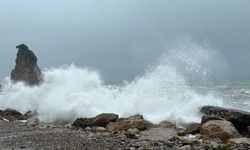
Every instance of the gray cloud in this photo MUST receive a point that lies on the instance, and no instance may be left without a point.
(119, 38)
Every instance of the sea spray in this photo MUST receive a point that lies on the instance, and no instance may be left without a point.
(162, 93)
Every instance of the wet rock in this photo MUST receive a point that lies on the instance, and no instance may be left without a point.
(192, 128)
(158, 134)
(11, 114)
(220, 129)
(26, 68)
(240, 119)
(127, 123)
(101, 120)
(80, 123)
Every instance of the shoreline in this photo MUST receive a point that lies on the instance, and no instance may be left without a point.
(108, 131)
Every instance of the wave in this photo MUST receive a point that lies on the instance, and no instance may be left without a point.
(162, 93)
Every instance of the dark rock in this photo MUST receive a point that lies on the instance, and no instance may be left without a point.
(80, 123)
(192, 128)
(127, 123)
(240, 119)
(101, 120)
(248, 131)
(26, 68)
(30, 114)
(11, 114)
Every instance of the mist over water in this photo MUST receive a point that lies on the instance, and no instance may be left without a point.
(162, 93)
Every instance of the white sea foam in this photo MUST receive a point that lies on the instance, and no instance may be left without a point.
(161, 94)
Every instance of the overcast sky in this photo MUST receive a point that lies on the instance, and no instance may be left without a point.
(120, 37)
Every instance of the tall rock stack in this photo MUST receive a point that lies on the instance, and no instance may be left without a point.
(26, 68)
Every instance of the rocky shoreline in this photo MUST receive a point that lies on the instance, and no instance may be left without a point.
(220, 128)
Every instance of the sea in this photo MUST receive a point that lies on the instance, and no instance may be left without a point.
(172, 89)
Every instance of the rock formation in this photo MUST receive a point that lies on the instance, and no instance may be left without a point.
(108, 131)
(101, 120)
(223, 130)
(11, 114)
(127, 123)
(111, 122)
(26, 68)
(240, 119)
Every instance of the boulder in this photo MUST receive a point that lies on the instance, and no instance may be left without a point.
(26, 68)
(127, 123)
(158, 134)
(80, 123)
(101, 120)
(220, 129)
(240, 119)
(11, 114)
(192, 128)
